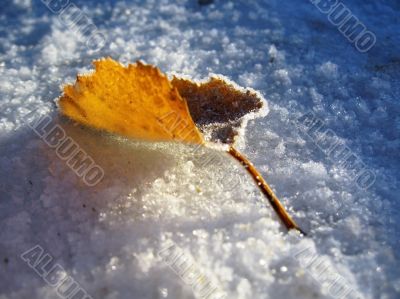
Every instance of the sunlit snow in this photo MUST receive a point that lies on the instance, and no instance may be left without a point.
(108, 238)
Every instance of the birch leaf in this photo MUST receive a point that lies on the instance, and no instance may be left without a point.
(139, 101)
(136, 101)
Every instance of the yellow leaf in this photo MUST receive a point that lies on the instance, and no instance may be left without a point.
(139, 101)
(136, 101)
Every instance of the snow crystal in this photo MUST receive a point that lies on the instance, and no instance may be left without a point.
(107, 237)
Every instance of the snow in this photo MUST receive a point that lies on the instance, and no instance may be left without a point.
(108, 237)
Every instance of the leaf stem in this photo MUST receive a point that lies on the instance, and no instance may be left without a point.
(266, 189)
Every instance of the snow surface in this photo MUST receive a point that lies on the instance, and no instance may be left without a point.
(108, 237)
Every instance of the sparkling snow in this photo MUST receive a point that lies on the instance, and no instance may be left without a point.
(108, 237)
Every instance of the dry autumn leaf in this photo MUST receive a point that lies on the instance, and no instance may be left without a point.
(139, 101)
(217, 106)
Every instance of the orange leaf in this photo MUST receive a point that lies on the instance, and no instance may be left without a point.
(136, 101)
